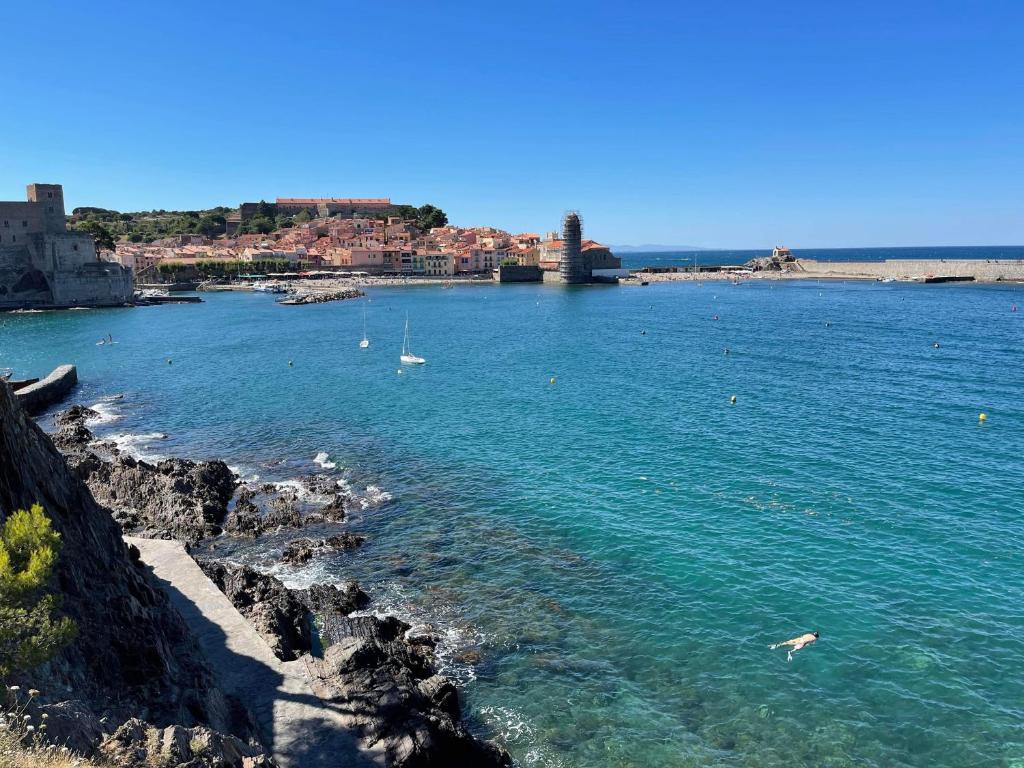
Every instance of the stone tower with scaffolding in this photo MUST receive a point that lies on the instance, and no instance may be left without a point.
(572, 267)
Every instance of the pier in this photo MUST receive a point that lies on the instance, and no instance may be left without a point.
(36, 395)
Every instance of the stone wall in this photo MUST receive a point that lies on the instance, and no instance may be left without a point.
(519, 274)
(37, 397)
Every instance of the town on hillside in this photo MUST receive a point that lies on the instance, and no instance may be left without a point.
(367, 235)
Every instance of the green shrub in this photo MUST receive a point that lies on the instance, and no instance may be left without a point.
(30, 632)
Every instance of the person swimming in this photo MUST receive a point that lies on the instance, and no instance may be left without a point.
(796, 644)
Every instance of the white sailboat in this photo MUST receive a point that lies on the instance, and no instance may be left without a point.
(365, 342)
(408, 357)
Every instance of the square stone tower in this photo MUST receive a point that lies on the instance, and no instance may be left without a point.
(50, 198)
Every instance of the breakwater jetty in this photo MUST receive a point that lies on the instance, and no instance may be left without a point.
(37, 396)
(322, 296)
(920, 270)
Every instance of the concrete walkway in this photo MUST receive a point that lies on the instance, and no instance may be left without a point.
(297, 727)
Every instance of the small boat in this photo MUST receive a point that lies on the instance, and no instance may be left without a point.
(365, 342)
(153, 293)
(408, 358)
(268, 287)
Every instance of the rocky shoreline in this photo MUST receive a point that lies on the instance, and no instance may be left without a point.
(383, 674)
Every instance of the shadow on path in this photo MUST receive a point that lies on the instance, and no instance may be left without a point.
(297, 727)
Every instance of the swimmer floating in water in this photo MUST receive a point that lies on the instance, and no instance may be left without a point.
(796, 644)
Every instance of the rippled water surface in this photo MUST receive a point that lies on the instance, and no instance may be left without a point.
(609, 555)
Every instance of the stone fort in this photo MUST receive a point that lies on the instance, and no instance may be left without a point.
(42, 264)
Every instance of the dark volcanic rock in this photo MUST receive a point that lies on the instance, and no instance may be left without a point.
(175, 499)
(332, 600)
(302, 551)
(282, 508)
(72, 724)
(274, 610)
(71, 434)
(73, 416)
(399, 705)
(332, 512)
(283, 513)
(245, 519)
(322, 485)
(137, 743)
(132, 652)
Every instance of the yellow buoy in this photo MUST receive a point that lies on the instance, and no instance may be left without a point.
(982, 417)
(552, 380)
(733, 399)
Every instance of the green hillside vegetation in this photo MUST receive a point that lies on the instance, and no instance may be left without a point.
(147, 226)
(108, 226)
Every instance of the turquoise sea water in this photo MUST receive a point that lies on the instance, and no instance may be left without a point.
(609, 556)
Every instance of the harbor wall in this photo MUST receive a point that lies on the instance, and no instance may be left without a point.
(46, 392)
(912, 269)
(519, 274)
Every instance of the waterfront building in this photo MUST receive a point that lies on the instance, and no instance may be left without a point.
(439, 264)
(43, 264)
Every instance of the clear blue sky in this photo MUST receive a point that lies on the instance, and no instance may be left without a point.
(717, 124)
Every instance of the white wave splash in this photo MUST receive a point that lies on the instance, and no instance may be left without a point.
(138, 446)
(302, 493)
(106, 413)
(245, 475)
(323, 459)
(374, 497)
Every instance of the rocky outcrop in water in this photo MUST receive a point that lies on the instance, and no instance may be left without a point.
(283, 616)
(267, 509)
(333, 600)
(280, 617)
(133, 654)
(770, 263)
(398, 703)
(301, 551)
(378, 671)
(175, 498)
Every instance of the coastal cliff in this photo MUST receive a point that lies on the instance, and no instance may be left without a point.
(137, 661)
(133, 655)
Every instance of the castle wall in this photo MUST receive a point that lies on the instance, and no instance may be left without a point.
(42, 264)
(100, 284)
(19, 221)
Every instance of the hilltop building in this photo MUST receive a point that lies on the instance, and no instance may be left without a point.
(316, 207)
(42, 264)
